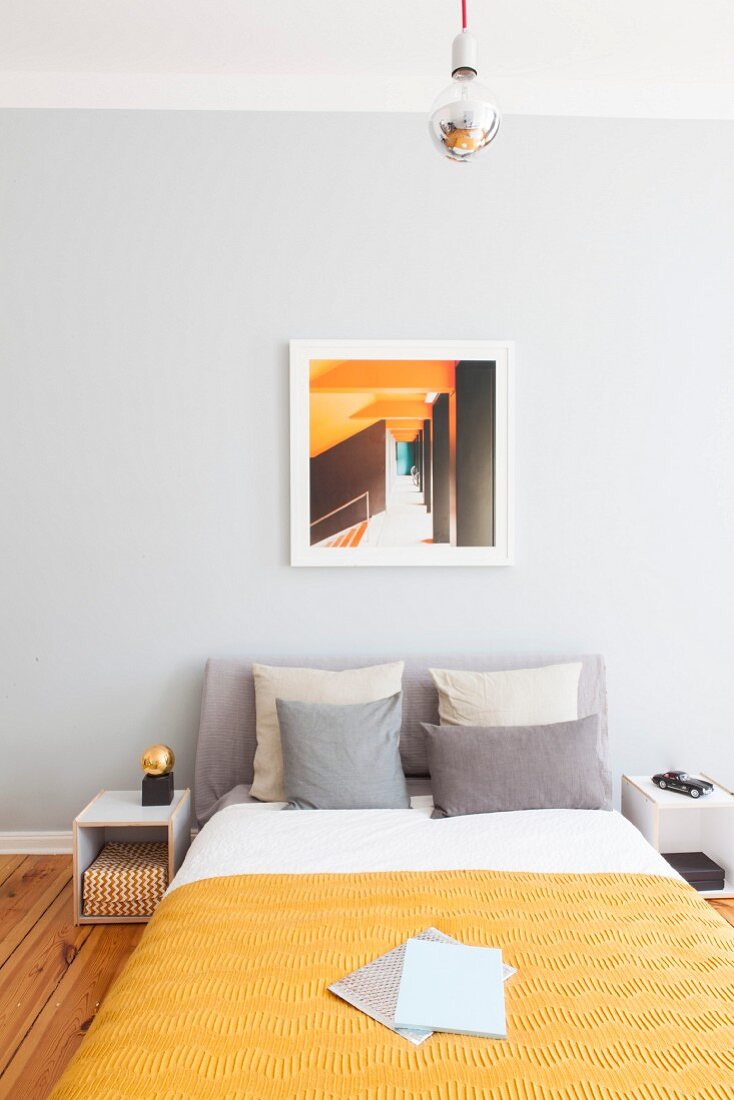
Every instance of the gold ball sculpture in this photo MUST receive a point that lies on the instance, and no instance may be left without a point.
(157, 760)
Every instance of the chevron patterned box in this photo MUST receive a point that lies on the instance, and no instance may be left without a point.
(126, 880)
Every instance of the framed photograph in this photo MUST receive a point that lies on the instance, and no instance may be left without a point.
(401, 452)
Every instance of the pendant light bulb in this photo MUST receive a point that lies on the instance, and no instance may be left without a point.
(464, 118)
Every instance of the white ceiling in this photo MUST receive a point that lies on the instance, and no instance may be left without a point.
(644, 58)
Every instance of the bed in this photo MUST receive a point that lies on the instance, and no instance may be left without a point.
(625, 982)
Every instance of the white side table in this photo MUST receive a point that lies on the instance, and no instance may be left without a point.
(119, 815)
(676, 823)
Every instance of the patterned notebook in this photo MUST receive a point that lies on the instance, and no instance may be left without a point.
(374, 987)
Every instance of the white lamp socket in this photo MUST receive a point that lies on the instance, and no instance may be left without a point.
(464, 52)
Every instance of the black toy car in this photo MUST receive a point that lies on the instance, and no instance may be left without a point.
(683, 783)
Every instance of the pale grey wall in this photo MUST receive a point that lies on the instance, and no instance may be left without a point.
(154, 266)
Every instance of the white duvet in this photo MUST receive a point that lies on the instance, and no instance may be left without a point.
(244, 840)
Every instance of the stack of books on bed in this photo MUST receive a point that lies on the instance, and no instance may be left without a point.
(432, 983)
(697, 869)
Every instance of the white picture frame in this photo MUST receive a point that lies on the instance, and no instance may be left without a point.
(370, 551)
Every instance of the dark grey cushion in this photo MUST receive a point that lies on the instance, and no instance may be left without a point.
(342, 756)
(480, 770)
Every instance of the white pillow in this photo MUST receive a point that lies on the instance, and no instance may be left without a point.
(520, 697)
(307, 685)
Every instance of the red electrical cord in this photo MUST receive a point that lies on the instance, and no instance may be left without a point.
(463, 15)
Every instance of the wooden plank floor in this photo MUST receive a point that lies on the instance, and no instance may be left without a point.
(725, 908)
(53, 975)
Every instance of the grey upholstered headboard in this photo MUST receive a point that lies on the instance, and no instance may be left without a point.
(226, 745)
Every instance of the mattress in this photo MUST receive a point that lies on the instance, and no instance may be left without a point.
(248, 839)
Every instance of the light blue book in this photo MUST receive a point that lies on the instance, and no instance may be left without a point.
(447, 987)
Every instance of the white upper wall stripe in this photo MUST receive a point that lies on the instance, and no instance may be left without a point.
(517, 96)
(660, 59)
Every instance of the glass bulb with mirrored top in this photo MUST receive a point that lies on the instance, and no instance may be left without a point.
(464, 118)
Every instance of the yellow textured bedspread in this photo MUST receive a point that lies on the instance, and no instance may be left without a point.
(624, 991)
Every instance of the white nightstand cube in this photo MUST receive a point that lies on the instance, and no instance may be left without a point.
(674, 822)
(120, 816)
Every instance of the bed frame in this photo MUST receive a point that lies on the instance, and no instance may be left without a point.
(226, 745)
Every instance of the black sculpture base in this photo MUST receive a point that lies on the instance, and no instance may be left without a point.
(158, 790)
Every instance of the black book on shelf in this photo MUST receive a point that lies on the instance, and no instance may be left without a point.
(709, 884)
(697, 869)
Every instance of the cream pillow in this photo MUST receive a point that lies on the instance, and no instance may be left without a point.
(307, 685)
(521, 697)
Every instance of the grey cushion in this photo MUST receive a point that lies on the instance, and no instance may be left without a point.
(226, 744)
(342, 756)
(487, 769)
